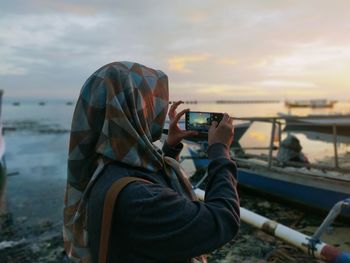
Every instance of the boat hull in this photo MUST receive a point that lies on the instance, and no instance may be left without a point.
(318, 123)
(320, 193)
(343, 130)
(320, 103)
(305, 194)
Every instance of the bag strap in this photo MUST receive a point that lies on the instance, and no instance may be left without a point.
(108, 208)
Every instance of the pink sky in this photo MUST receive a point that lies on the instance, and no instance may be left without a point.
(209, 49)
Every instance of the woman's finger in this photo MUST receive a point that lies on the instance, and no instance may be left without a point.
(213, 125)
(175, 105)
(172, 110)
(180, 114)
(230, 121)
(189, 133)
(225, 119)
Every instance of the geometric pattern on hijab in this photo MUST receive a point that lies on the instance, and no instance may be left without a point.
(119, 114)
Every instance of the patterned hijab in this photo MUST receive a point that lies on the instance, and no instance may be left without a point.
(120, 113)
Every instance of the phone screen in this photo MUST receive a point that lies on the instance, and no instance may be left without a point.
(201, 121)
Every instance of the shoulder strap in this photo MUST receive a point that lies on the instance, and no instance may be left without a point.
(108, 207)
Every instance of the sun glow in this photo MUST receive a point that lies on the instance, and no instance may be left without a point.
(181, 63)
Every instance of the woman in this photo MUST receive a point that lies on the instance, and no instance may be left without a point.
(120, 113)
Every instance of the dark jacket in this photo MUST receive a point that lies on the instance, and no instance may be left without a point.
(152, 223)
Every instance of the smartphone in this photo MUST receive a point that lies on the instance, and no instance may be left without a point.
(201, 121)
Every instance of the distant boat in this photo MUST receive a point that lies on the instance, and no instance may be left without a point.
(42, 103)
(317, 103)
(69, 103)
(16, 103)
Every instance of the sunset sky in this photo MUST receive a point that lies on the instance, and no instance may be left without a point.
(210, 50)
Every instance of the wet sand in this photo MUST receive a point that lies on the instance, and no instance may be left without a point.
(30, 231)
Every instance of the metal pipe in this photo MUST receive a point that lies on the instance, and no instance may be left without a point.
(336, 162)
(335, 211)
(294, 118)
(202, 180)
(318, 250)
(279, 134)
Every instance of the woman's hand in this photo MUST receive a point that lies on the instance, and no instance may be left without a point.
(222, 133)
(175, 134)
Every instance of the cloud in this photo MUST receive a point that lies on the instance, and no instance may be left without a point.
(227, 61)
(198, 16)
(182, 63)
(273, 83)
(34, 42)
(235, 48)
(307, 59)
(212, 92)
(10, 69)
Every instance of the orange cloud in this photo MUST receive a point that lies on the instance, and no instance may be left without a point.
(180, 63)
(227, 61)
(198, 17)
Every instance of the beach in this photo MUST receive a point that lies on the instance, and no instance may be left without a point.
(36, 153)
(280, 69)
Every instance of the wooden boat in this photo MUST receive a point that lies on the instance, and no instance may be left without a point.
(317, 103)
(307, 185)
(323, 137)
(318, 123)
(311, 188)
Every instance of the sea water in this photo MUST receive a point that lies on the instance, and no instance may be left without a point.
(37, 138)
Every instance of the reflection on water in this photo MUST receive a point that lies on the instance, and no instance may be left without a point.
(36, 192)
(258, 136)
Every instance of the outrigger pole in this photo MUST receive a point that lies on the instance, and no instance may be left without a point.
(310, 245)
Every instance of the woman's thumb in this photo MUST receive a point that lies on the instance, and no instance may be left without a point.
(214, 124)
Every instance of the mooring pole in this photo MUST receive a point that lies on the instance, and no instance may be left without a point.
(279, 134)
(336, 162)
(271, 142)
